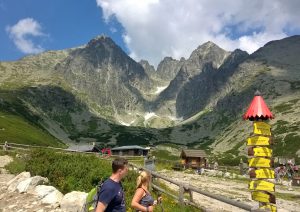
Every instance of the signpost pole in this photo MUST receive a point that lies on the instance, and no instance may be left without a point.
(260, 154)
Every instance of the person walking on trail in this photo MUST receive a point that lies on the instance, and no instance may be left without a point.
(142, 199)
(290, 174)
(5, 146)
(111, 196)
(279, 173)
(216, 166)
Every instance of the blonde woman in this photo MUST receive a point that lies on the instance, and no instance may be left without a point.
(142, 199)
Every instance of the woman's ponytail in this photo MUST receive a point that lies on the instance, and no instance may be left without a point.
(142, 179)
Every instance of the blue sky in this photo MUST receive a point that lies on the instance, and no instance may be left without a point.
(64, 24)
(145, 29)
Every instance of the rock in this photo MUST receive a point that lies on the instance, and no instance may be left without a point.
(219, 174)
(211, 173)
(3, 171)
(53, 197)
(241, 176)
(234, 175)
(42, 190)
(12, 184)
(48, 194)
(30, 183)
(227, 175)
(5, 160)
(73, 201)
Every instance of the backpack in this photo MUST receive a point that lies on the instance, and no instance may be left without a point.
(92, 198)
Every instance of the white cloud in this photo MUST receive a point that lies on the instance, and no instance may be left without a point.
(20, 33)
(158, 28)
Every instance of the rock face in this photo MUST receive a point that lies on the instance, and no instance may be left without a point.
(168, 68)
(149, 69)
(195, 95)
(106, 75)
(206, 58)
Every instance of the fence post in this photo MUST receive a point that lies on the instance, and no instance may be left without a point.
(191, 195)
(181, 193)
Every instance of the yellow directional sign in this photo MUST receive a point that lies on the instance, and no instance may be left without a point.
(258, 141)
(260, 162)
(269, 207)
(262, 174)
(262, 196)
(261, 185)
(261, 128)
(260, 151)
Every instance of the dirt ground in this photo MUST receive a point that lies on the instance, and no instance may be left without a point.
(233, 189)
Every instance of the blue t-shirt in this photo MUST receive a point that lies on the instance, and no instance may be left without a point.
(112, 195)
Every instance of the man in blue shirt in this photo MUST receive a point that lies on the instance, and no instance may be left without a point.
(111, 197)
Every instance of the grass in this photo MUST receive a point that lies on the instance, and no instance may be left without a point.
(287, 146)
(295, 85)
(17, 129)
(288, 196)
(169, 202)
(228, 159)
(235, 149)
(283, 107)
(164, 155)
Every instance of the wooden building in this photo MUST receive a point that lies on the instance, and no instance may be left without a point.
(193, 158)
(130, 151)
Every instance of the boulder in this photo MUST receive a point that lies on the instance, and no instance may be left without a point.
(227, 175)
(53, 198)
(73, 201)
(12, 184)
(211, 173)
(42, 190)
(30, 183)
(3, 171)
(241, 176)
(48, 194)
(219, 174)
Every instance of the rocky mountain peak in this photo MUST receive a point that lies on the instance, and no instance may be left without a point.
(285, 51)
(147, 67)
(169, 67)
(208, 52)
(100, 39)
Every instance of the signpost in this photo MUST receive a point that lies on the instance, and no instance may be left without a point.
(260, 155)
(149, 164)
(259, 141)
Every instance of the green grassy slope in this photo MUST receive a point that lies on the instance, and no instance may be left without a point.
(15, 129)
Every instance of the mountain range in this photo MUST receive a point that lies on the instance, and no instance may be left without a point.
(97, 93)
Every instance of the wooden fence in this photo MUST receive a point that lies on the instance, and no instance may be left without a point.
(183, 188)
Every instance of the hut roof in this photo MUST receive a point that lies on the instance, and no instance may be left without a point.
(197, 153)
(129, 147)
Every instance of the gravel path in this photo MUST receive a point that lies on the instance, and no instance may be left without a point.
(233, 189)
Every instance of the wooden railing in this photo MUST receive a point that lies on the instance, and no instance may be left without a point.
(183, 188)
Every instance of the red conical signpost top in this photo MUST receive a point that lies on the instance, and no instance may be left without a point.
(258, 109)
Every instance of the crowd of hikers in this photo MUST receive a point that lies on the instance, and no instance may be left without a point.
(288, 170)
(111, 196)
